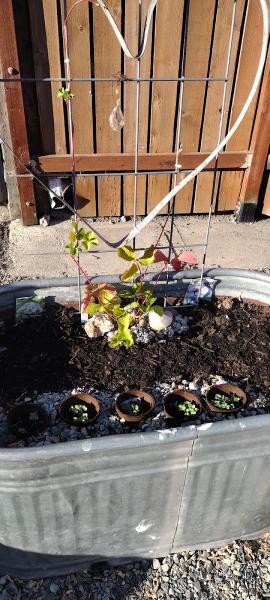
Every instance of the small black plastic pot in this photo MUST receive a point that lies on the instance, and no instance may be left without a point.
(124, 400)
(90, 405)
(179, 397)
(27, 419)
(227, 390)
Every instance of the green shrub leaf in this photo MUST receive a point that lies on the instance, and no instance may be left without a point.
(130, 273)
(93, 308)
(127, 253)
(158, 309)
(148, 257)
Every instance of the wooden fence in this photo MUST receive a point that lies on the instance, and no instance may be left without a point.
(31, 46)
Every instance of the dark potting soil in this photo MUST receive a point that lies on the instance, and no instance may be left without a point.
(50, 353)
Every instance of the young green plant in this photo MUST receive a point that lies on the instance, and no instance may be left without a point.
(128, 307)
(226, 402)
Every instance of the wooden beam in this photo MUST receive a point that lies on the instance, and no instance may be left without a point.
(147, 162)
(15, 110)
(260, 142)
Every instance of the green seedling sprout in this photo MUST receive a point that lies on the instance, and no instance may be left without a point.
(79, 413)
(226, 401)
(186, 407)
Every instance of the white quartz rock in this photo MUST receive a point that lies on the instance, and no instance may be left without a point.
(160, 322)
(98, 325)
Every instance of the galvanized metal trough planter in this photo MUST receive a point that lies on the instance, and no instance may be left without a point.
(134, 496)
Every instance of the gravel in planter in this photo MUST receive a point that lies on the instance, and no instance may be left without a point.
(108, 423)
(240, 571)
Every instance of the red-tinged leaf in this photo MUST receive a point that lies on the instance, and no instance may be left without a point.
(94, 290)
(188, 257)
(159, 256)
(176, 264)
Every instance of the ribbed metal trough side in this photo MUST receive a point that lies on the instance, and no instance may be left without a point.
(227, 488)
(93, 500)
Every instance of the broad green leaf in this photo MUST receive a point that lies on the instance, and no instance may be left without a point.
(73, 249)
(128, 339)
(131, 306)
(72, 236)
(91, 238)
(157, 309)
(130, 273)
(75, 225)
(127, 253)
(93, 308)
(122, 338)
(80, 234)
(148, 257)
(150, 303)
(118, 311)
(126, 294)
(124, 321)
(105, 296)
(85, 245)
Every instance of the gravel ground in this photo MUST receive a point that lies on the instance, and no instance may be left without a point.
(4, 253)
(240, 571)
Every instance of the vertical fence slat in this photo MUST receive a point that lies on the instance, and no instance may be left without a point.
(166, 64)
(53, 45)
(266, 201)
(260, 142)
(215, 90)
(198, 48)
(46, 56)
(107, 63)
(15, 111)
(80, 66)
(131, 35)
(231, 182)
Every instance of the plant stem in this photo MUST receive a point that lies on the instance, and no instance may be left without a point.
(82, 271)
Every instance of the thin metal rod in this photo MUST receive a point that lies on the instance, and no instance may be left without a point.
(71, 132)
(107, 251)
(219, 139)
(177, 147)
(137, 124)
(117, 78)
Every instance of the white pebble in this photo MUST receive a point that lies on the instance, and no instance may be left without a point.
(193, 386)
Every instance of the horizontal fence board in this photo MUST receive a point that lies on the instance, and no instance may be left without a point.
(146, 162)
(95, 52)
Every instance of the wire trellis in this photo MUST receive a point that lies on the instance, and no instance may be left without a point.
(181, 81)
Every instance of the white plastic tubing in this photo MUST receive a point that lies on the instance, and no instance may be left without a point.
(136, 230)
(264, 9)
